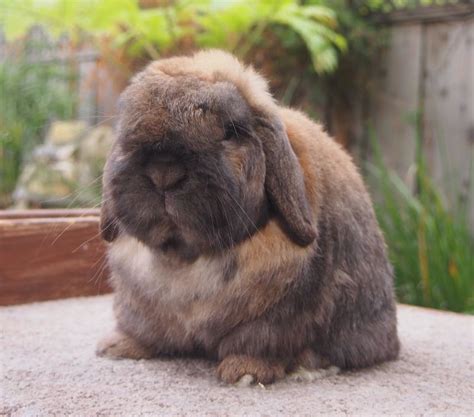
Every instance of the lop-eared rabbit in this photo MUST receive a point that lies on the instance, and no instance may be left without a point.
(239, 230)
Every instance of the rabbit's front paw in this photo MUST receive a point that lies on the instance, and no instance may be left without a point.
(118, 345)
(234, 367)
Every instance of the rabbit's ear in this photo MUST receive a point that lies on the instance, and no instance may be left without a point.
(284, 182)
(108, 223)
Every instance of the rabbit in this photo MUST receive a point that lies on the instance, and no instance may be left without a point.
(238, 230)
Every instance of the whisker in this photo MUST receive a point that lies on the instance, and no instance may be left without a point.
(257, 234)
(97, 275)
(113, 223)
(72, 223)
(76, 193)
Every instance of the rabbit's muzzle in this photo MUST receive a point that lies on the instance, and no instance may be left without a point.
(166, 171)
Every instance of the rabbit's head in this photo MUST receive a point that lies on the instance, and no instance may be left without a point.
(202, 159)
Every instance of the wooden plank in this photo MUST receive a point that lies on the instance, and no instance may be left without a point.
(87, 89)
(47, 213)
(49, 258)
(427, 14)
(449, 108)
(395, 99)
(111, 81)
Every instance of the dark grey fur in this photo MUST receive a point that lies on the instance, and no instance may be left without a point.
(197, 173)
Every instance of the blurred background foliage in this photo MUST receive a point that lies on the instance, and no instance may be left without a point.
(278, 36)
(31, 96)
(147, 32)
(316, 53)
(430, 245)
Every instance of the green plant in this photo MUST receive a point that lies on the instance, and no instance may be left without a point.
(151, 32)
(32, 94)
(430, 246)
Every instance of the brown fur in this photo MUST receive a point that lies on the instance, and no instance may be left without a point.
(118, 345)
(265, 371)
(239, 230)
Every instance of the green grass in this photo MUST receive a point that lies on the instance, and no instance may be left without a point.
(430, 246)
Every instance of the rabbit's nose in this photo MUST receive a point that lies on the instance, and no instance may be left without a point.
(165, 171)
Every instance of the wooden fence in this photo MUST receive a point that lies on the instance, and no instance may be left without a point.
(428, 69)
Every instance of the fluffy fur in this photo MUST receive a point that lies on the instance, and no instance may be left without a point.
(239, 230)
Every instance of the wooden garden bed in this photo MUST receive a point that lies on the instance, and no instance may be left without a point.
(50, 254)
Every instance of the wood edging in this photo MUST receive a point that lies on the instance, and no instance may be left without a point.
(50, 254)
(47, 213)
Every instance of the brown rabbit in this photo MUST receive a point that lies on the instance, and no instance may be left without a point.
(239, 230)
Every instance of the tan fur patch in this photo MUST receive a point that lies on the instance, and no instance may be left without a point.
(320, 156)
(198, 293)
(269, 249)
(237, 157)
(120, 346)
(175, 286)
(215, 65)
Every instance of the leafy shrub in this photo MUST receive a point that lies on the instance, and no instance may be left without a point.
(149, 32)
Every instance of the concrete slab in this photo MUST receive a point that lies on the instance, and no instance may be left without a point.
(48, 368)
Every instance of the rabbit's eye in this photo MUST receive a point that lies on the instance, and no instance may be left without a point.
(233, 131)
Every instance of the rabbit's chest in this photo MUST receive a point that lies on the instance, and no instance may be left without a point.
(192, 293)
(198, 301)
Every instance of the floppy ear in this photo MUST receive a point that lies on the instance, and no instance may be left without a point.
(108, 224)
(284, 182)
(109, 229)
